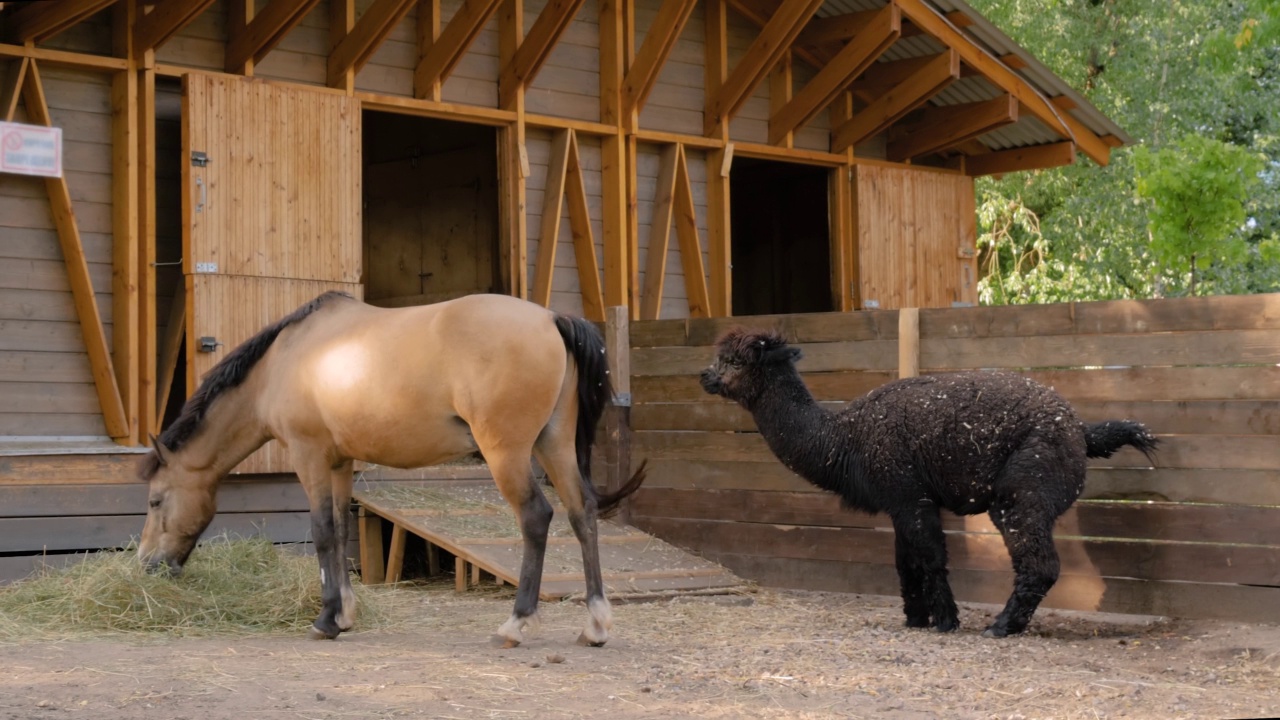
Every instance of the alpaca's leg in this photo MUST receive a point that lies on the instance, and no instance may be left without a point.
(914, 604)
(920, 532)
(1028, 535)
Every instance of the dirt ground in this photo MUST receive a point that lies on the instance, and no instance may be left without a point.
(784, 654)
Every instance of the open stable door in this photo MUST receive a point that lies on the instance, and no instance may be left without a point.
(271, 212)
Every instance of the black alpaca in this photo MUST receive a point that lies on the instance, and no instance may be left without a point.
(969, 442)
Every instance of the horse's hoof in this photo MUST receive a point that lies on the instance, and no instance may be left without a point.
(584, 641)
(315, 633)
(509, 643)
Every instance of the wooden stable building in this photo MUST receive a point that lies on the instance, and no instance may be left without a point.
(685, 160)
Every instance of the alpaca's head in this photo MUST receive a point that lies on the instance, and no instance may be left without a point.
(745, 363)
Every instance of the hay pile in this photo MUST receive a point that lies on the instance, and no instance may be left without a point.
(229, 587)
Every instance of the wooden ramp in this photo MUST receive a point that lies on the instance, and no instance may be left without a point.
(473, 522)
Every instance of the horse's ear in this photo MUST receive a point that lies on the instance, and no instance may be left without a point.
(162, 452)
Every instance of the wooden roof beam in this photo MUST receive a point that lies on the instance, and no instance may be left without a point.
(823, 32)
(1028, 158)
(900, 100)
(758, 13)
(252, 42)
(1009, 81)
(357, 46)
(765, 51)
(448, 49)
(39, 21)
(653, 53)
(164, 21)
(535, 48)
(880, 31)
(946, 127)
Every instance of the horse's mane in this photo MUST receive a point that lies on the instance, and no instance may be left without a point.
(226, 375)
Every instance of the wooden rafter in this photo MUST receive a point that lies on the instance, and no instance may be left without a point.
(552, 204)
(166, 20)
(774, 40)
(1060, 122)
(1028, 158)
(39, 21)
(565, 183)
(252, 42)
(370, 30)
(655, 268)
(882, 77)
(438, 62)
(535, 48)
(758, 12)
(427, 29)
(902, 99)
(946, 127)
(86, 303)
(653, 53)
(877, 35)
(686, 219)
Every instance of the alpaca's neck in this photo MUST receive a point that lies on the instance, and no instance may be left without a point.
(810, 440)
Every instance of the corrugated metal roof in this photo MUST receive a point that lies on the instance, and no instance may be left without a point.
(1028, 130)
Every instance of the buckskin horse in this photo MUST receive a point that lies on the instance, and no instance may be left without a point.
(338, 380)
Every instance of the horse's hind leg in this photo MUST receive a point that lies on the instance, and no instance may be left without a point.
(514, 476)
(555, 450)
(329, 493)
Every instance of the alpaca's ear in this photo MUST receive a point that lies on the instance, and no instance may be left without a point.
(785, 353)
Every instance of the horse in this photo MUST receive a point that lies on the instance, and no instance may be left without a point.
(338, 380)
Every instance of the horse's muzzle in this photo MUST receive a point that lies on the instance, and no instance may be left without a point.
(712, 382)
(164, 568)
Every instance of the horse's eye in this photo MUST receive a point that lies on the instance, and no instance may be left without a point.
(155, 503)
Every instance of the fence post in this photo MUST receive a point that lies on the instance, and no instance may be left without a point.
(617, 416)
(908, 342)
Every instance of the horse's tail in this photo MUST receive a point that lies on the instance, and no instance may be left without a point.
(585, 344)
(1102, 439)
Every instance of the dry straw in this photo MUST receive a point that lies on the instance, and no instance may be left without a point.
(229, 587)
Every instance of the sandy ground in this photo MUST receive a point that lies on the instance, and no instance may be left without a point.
(774, 653)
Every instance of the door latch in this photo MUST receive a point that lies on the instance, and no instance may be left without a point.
(199, 159)
(207, 344)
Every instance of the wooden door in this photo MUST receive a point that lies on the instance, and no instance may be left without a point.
(271, 211)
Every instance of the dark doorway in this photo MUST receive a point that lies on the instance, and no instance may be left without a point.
(781, 238)
(430, 209)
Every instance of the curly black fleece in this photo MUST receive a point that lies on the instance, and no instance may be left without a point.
(971, 443)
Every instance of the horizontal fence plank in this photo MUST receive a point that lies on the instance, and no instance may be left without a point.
(1237, 312)
(805, 328)
(234, 496)
(1227, 417)
(1095, 519)
(881, 355)
(92, 532)
(824, 386)
(89, 469)
(1186, 384)
(1241, 452)
(1049, 351)
(1191, 562)
(1242, 603)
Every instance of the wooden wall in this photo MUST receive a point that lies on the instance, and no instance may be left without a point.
(916, 234)
(46, 386)
(1199, 535)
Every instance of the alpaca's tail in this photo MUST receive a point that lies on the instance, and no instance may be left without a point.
(586, 346)
(1102, 439)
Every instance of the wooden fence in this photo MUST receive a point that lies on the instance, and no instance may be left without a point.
(1198, 535)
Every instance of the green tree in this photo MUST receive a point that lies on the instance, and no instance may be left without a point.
(1163, 70)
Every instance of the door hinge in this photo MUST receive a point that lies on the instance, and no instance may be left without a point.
(199, 159)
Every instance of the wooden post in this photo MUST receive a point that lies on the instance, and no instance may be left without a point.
(395, 558)
(459, 574)
(371, 567)
(908, 342)
(617, 418)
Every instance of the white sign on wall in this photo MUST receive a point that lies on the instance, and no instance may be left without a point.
(30, 149)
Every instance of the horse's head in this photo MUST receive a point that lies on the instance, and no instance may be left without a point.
(181, 503)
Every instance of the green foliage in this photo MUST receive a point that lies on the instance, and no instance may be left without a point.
(1165, 71)
(1197, 191)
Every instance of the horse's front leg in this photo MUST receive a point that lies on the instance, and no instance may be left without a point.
(329, 535)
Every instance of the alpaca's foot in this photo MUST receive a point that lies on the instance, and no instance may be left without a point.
(947, 624)
(1002, 628)
(513, 631)
(917, 621)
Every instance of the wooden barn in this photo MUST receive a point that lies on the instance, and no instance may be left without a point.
(223, 161)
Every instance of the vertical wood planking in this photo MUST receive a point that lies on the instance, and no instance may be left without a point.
(695, 278)
(659, 234)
